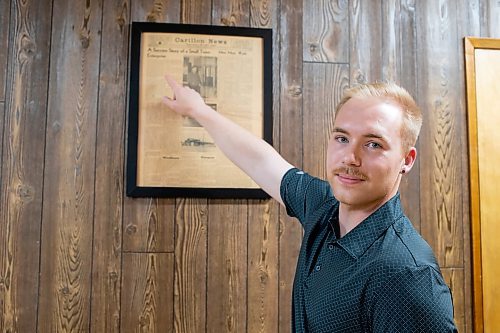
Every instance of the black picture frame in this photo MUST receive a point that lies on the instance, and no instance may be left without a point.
(195, 33)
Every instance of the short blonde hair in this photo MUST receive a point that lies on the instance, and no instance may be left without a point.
(392, 93)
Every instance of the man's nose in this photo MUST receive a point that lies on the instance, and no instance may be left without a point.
(352, 156)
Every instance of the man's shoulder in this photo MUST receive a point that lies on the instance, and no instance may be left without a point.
(404, 249)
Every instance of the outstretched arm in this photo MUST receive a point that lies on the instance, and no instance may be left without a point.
(251, 154)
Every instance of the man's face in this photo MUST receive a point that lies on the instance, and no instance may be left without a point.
(365, 157)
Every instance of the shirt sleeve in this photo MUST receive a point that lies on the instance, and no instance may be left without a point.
(414, 300)
(302, 193)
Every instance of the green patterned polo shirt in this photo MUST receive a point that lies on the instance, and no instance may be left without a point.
(380, 277)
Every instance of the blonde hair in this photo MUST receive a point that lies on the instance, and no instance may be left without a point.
(392, 93)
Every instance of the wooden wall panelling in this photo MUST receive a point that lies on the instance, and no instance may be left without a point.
(109, 185)
(323, 88)
(440, 161)
(228, 227)
(263, 215)
(190, 280)
(399, 65)
(326, 31)
(196, 11)
(149, 227)
(490, 18)
(148, 224)
(227, 266)
(147, 294)
(191, 229)
(468, 24)
(441, 180)
(291, 143)
(231, 12)
(454, 278)
(366, 41)
(4, 45)
(23, 126)
(68, 205)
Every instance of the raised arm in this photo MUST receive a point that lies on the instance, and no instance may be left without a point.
(251, 154)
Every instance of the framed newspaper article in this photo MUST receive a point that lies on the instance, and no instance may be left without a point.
(169, 155)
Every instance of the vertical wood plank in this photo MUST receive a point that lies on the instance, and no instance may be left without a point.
(191, 222)
(490, 18)
(4, 46)
(468, 24)
(146, 294)
(70, 165)
(454, 278)
(228, 227)
(23, 128)
(148, 224)
(291, 144)
(326, 31)
(263, 215)
(190, 281)
(399, 65)
(366, 41)
(109, 186)
(227, 266)
(231, 12)
(440, 159)
(155, 10)
(196, 12)
(323, 88)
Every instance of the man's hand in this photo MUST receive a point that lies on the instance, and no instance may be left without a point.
(186, 101)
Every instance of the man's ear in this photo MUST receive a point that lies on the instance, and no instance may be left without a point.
(409, 160)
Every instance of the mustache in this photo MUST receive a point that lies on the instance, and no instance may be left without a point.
(351, 172)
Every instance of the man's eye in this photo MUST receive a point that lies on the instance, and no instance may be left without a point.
(341, 139)
(373, 145)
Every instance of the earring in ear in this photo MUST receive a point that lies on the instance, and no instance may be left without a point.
(403, 171)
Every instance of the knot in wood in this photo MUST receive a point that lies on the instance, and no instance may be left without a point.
(313, 48)
(25, 192)
(295, 91)
(113, 276)
(131, 229)
(85, 40)
(27, 46)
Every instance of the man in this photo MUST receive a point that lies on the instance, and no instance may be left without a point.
(362, 266)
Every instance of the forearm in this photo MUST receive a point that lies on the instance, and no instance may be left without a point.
(253, 155)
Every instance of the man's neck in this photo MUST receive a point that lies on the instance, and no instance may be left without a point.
(351, 216)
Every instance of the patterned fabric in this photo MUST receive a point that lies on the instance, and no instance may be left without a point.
(380, 277)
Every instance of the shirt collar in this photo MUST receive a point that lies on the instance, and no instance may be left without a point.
(359, 239)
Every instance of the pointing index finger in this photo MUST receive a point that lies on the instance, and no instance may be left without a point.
(171, 82)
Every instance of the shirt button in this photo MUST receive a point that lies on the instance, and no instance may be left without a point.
(330, 246)
(318, 268)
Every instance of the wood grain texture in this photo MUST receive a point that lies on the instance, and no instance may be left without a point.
(263, 291)
(148, 224)
(4, 45)
(263, 226)
(109, 185)
(468, 25)
(155, 10)
(231, 12)
(366, 41)
(23, 128)
(196, 12)
(490, 18)
(290, 143)
(190, 300)
(147, 294)
(326, 31)
(440, 155)
(227, 268)
(454, 278)
(65, 277)
(324, 85)
(400, 65)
